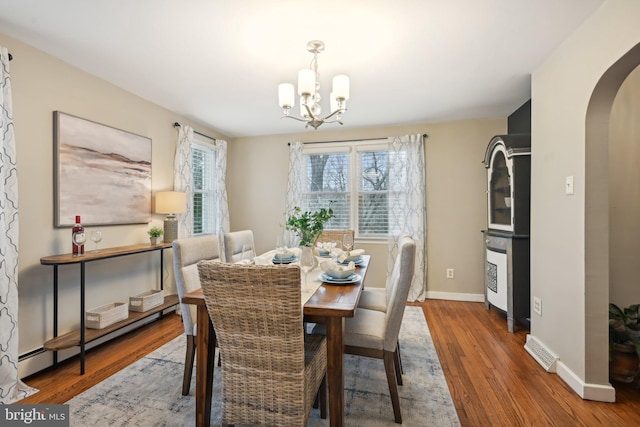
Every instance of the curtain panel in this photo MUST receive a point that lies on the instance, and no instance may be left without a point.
(295, 188)
(11, 388)
(407, 205)
(221, 209)
(182, 178)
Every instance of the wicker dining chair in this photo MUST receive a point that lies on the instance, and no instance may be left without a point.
(334, 236)
(271, 371)
(186, 254)
(233, 243)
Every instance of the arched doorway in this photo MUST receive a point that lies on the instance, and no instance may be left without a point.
(597, 218)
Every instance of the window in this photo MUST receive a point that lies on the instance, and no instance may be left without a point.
(353, 177)
(203, 162)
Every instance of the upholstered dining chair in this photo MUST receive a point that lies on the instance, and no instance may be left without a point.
(333, 236)
(377, 298)
(271, 371)
(373, 333)
(186, 254)
(234, 242)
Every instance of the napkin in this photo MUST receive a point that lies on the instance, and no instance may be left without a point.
(324, 248)
(350, 256)
(285, 254)
(338, 271)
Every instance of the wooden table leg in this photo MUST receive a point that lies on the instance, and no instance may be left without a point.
(205, 351)
(335, 375)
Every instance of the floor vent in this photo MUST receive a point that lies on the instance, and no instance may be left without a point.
(541, 354)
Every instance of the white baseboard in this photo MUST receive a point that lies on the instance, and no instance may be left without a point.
(552, 364)
(597, 392)
(455, 296)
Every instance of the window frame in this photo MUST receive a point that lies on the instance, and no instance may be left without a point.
(352, 148)
(202, 143)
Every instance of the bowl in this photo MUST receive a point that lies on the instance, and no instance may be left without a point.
(339, 274)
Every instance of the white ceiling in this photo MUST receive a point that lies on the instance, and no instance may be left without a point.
(219, 62)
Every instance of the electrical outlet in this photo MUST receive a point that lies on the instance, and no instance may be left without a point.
(450, 273)
(537, 305)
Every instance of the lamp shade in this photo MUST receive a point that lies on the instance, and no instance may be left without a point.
(286, 95)
(170, 202)
(341, 86)
(306, 82)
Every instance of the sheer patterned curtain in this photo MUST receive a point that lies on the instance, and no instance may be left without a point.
(295, 185)
(182, 178)
(11, 388)
(407, 205)
(221, 209)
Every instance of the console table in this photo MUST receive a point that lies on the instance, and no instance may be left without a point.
(83, 335)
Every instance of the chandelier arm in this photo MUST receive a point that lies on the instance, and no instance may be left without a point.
(311, 115)
(338, 111)
(300, 119)
(334, 121)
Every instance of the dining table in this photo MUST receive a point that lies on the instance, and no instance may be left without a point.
(328, 303)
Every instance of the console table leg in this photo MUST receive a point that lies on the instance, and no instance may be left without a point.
(55, 312)
(82, 318)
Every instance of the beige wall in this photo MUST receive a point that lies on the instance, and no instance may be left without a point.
(42, 84)
(456, 200)
(624, 193)
(574, 323)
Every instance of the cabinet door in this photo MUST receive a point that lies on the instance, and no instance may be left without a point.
(496, 279)
(500, 201)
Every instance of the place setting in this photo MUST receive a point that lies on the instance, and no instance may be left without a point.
(339, 274)
(283, 255)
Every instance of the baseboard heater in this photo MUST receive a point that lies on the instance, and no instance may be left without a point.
(541, 354)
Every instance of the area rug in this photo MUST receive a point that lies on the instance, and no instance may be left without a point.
(148, 392)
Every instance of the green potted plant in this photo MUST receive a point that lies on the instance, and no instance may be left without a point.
(308, 225)
(624, 342)
(154, 234)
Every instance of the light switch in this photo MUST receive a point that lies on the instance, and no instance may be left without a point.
(568, 186)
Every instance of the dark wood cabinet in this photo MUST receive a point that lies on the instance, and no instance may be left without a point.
(506, 240)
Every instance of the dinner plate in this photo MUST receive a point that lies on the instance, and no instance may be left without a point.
(284, 260)
(338, 279)
(349, 280)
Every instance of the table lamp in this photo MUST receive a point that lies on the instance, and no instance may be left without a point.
(171, 203)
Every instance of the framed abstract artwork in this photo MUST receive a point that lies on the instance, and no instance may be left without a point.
(102, 173)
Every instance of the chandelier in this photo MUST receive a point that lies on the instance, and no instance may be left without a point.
(309, 91)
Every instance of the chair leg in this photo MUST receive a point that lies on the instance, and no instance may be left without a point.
(400, 359)
(398, 365)
(323, 397)
(389, 367)
(188, 364)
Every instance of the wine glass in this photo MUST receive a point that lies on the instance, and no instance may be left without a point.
(280, 245)
(96, 237)
(307, 262)
(247, 254)
(79, 238)
(347, 242)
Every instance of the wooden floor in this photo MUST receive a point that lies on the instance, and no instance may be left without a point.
(492, 379)
(65, 382)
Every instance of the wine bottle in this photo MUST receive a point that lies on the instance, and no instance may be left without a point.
(77, 237)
